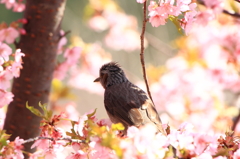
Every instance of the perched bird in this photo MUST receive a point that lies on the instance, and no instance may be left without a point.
(125, 102)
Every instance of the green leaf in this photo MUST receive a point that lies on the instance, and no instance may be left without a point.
(175, 21)
(47, 113)
(3, 142)
(118, 126)
(92, 114)
(34, 110)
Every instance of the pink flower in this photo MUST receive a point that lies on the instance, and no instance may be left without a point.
(204, 156)
(18, 143)
(72, 55)
(183, 5)
(141, 1)
(215, 5)
(8, 3)
(204, 17)
(50, 154)
(78, 155)
(105, 122)
(152, 6)
(17, 64)
(236, 155)
(98, 23)
(168, 8)
(5, 78)
(9, 35)
(5, 98)
(61, 70)
(157, 19)
(61, 43)
(132, 131)
(41, 144)
(18, 148)
(81, 123)
(18, 7)
(5, 51)
(99, 151)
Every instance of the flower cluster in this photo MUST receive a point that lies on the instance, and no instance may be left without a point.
(71, 56)
(122, 28)
(16, 6)
(198, 81)
(8, 69)
(92, 138)
(171, 9)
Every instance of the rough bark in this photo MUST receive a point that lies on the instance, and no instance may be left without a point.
(33, 85)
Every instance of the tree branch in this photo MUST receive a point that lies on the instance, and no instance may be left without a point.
(40, 45)
(52, 139)
(142, 48)
(65, 34)
(235, 121)
(236, 15)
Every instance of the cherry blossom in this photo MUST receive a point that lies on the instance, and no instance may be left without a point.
(17, 64)
(9, 35)
(17, 6)
(141, 1)
(5, 98)
(5, 77)
(5, 51)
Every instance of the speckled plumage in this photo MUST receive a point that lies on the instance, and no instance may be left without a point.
(125, 102)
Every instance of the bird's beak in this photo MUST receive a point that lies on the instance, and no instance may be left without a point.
(97, 79)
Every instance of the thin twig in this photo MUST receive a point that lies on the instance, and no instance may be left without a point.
(65, 34)
(52, 139)
(142, 48)
(236, 15)
(235, 122)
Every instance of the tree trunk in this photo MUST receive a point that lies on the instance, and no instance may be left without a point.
(40, 48)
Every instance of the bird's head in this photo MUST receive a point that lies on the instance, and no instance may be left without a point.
(110, 74)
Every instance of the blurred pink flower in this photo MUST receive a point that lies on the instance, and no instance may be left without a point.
(9, 35)
(152, 6)
(61, 43)
(5, 79)
(98, 23)
(215, 5)
(41, 144)
(19, 7)
(17, 64)
(50, 154)
(72, 55)
(8, 3)
(99, 151)
(5, 98)
(104, 122)
(61, 70)
(5, 51)
(81, 123)
(141, 1)
(236, 155)
(156, 18)
(78, 155)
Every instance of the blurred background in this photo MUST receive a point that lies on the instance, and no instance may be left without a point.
(159, 42)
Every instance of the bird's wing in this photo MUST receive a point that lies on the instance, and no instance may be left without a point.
(128, 104)
(148, 108)
(122, 105)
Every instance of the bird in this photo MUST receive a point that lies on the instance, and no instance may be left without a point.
(125, 102)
